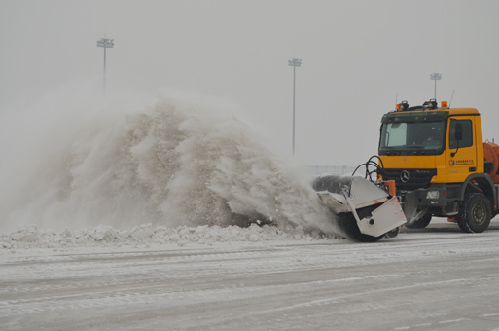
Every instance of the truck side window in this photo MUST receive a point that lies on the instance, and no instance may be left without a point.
(467, 131)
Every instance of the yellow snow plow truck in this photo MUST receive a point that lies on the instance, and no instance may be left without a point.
(435, 164)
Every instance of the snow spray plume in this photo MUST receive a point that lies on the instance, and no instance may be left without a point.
(170, 164)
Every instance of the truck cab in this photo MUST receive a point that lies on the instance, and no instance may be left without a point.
(435, 156)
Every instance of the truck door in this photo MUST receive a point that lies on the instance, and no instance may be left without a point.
(461, 152)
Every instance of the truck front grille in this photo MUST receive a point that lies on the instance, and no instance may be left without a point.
(409, 179)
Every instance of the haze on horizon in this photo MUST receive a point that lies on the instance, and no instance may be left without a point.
(359, 58)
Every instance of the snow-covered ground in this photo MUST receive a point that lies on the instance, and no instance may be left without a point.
(211, 278)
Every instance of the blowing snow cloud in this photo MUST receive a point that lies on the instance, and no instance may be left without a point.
(169, 164)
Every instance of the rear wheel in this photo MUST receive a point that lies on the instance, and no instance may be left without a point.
(421, 223)
(474, 213)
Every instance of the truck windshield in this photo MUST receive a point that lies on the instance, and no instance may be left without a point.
(411, 137)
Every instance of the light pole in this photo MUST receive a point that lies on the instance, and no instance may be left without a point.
(105, 43)
(294, 62)
(436, 77)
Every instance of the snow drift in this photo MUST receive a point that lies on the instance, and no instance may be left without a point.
(170, 164)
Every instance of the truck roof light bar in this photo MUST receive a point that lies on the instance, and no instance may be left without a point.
(404, 105)
(432, 104)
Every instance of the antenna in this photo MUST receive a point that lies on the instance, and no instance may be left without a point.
(451, 97)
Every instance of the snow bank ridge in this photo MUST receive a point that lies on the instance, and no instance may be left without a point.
(32, 237)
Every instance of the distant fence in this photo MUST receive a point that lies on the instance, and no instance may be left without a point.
(331, 169)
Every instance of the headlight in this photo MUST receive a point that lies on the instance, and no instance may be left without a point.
(432, 195)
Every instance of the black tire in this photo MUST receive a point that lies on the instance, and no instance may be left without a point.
(393, 233)
(421, 223)
(348, 224)
(474, 213)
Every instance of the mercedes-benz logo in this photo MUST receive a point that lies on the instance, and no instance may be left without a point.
(405, 176)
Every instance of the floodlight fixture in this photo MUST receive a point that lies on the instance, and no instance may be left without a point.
(106, 43)
(294, 62)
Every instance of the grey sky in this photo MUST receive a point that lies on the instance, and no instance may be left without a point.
(357, 56)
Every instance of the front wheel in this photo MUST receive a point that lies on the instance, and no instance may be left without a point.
(420, 223)
(474, 213)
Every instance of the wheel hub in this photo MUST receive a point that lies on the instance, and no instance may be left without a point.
(478, 213)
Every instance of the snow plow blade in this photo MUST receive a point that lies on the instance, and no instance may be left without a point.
(365, 211)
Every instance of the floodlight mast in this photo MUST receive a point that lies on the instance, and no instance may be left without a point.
(435, 77)
(105, 43)
(294, 62)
